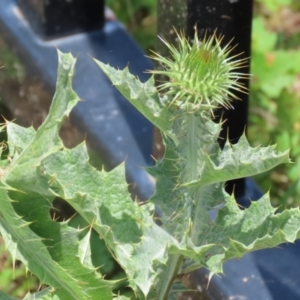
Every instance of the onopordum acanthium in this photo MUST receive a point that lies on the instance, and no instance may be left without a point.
(189, 186)
(191, 176)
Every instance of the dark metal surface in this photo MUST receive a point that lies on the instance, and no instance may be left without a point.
(57, 18)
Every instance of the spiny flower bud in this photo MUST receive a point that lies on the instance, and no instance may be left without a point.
(202, 76)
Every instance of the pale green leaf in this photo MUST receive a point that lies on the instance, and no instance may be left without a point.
(143, 96)
(85, 250)
(238, 161)
(121, 298)
(47, 248)
(45, 294)
(25, 245)
(102, 199)
(18, 138)
(237, 232)
(46, 140)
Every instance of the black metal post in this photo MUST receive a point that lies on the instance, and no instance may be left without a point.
(232, 19)
(56, 18)
(170, 14)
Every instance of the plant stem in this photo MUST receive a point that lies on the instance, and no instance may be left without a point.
(173, 266)
(192, 147)
(186, 129)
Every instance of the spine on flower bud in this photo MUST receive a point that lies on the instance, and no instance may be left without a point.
(201, 75)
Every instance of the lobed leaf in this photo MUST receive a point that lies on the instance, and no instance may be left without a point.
(76, 280)
(237, 232)
(143, 96)
(49, 249)
(102, 199)
(238, 161)
(29, 247)
(46, 140)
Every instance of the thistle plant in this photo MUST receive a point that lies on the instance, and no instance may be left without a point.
(189, 186)
(190, 178)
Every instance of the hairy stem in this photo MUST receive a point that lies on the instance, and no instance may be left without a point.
(192, 145)
(173, 267)
(187, 129)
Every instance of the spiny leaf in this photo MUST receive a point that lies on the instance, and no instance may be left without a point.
(238, 161)
(142, 95)
(167, 174)
(102, 199)
(56, 260)
(74, 280)
(85, 250)
(46, 140)
(237, 232)
(100, 256)
(18, 138)
(27, 246)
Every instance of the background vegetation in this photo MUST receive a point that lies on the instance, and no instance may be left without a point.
(274, 113)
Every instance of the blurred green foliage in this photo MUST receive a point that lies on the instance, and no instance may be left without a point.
(274, 5)
(275, 93)
(9, 63)
(139, 17)
(14, 281)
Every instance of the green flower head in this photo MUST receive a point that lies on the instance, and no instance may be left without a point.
(201, 75)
